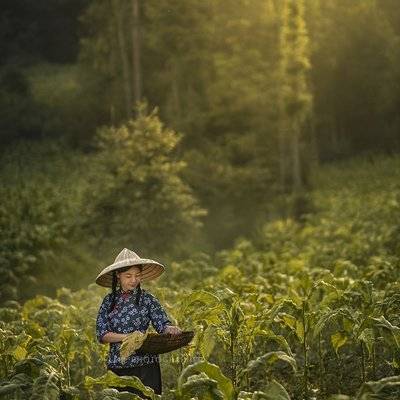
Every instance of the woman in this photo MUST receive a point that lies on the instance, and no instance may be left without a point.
(130, 308)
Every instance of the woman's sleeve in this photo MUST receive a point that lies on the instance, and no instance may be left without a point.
(102, 324)
(158, 316)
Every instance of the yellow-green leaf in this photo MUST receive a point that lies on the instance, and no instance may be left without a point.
(19, 353)
(288, 319)
(348, 325)
(338, 339)
(300, 331)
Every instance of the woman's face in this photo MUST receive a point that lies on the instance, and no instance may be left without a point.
(130, 278)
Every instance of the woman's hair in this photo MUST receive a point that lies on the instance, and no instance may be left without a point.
(114, 286)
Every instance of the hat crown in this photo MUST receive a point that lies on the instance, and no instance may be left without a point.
(150, 269)
(126, 254)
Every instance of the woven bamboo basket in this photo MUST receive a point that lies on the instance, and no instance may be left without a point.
(164, 342)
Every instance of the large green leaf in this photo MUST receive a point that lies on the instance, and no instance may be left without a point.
(31, 366)
(208, 341)
(288, 320)
(329, 316)
(114, 394)
(111, 379)
(243, 395)
(271, 358)
(281, 306)
(273, 391)
(213, 372)
(46, 386)
(384, 389)
(201, 296)
(268, 334)
(202, 387)
(9, 388)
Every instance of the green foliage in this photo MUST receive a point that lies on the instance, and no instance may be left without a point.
(360, 58)
(49, 349)
(68, 98)
(109, 378)
(140, 182)
(295, 100)
(305, 309)
(19, 112)
(220, 386)
(219, 73)
(53, 196)
(40, 197)
(271, 358)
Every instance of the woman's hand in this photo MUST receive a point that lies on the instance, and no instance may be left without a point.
(173, 330)
(113, 337)
(124, 336)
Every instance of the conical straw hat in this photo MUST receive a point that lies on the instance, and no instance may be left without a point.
(150, 269)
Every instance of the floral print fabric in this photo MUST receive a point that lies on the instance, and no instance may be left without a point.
(126, 317)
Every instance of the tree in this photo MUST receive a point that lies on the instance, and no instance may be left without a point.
(136, 44)
(355, 56)
(295, 96)
(111, 47)
(139, 196)
(119, 13)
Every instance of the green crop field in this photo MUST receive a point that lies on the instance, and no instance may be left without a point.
(306, 310)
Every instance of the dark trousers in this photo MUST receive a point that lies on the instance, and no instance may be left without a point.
(149, 374)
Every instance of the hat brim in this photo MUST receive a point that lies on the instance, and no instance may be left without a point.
(151, 270)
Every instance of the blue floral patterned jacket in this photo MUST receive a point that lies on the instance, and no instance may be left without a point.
(126, 317)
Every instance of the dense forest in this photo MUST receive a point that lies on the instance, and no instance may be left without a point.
(252, 145)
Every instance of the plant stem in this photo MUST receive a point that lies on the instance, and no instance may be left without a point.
(373, 361)
(233, 367)
(362, 361)
(321, 365)
(5, 367)
(68, 374)
(305, 351)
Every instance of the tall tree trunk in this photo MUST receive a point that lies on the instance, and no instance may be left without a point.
(174, 99)
(333, 135)
(282, 157)
(296, 167)
(315, 153)
(118, 12)
(114, 70)
(137, 78)
(296, 97)
(309, 151)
